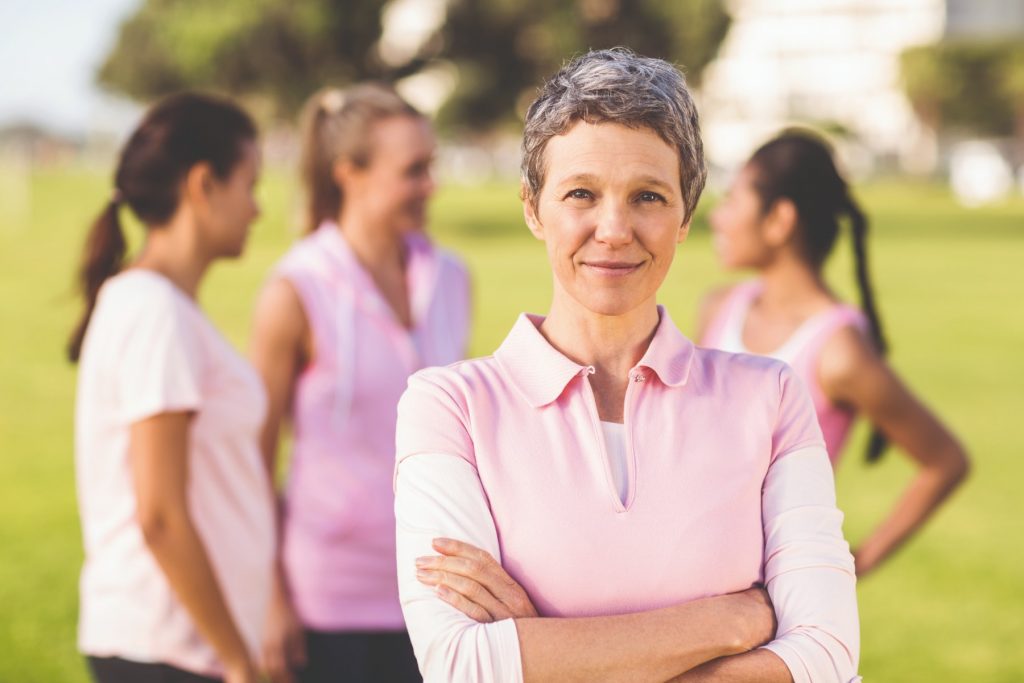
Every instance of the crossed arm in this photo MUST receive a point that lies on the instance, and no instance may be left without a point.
(469, 621)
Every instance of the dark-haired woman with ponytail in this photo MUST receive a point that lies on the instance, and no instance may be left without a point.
(175, 503)
(781, 218)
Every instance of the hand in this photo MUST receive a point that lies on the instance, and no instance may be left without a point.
(243, 672)
(757, 617)
(284, 642)
(471, 581)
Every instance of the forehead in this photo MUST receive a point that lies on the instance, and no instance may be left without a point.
(610, 152)
(401, 137)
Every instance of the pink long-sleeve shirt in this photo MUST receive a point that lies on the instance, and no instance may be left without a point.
(728, 485)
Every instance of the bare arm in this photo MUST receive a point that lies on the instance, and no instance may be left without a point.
(653, 645)
(279, 348)
(763, 666)
(159, 461)
(852, 373)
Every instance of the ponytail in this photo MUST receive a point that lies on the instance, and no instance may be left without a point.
(102, 258)
(175, 134)
(798, 166)
(859, 227)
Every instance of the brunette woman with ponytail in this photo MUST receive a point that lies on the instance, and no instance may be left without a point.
(176, 507)
(360, 303)
(781, 218)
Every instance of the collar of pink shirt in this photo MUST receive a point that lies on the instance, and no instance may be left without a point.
(540, 372)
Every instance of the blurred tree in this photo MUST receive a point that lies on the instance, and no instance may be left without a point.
(504, 48)
(282, 50)
(279, 51)
(971, 85)
(1012, 82)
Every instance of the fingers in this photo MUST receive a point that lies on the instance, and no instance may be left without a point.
(468, 588)
(470, 561)
(274, 664)
(460, 602)
(296, 649)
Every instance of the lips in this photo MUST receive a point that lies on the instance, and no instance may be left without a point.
(609, 268)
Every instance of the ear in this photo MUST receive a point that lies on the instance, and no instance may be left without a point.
(780, 223)
(343, 172)
(684, 231)
(198, 184)
(530, 213)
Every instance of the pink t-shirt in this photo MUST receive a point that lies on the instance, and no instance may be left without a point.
(801, 351)
(339, 524)
(728, 486)
(150, 350)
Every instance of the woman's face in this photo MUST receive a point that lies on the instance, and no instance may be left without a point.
(611, 213)
(232, 204)
(737, 224)
(395, 186)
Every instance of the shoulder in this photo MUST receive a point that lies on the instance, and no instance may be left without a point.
(848, 358)
(713, 305)
(451, 265)
(305, 255)
(716, 366)
(136, 296)
(279, 310)
(460, 381)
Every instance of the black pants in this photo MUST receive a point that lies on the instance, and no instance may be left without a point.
(352, 657)
(117, 670)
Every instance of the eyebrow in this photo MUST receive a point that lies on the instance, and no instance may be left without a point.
(586, 178)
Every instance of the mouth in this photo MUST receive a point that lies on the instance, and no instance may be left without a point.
(608, 268)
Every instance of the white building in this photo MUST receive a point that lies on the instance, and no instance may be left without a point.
(833, 64)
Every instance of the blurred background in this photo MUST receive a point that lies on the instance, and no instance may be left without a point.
(923, 99)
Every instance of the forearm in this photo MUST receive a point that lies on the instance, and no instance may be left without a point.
(181, 555)
(919, 501)
(646, 646)
(757, 666)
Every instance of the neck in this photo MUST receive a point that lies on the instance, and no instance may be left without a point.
(378, 247)
(612, 344)
(175, 253)
(790, 281)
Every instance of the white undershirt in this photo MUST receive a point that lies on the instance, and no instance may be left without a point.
(618, 464)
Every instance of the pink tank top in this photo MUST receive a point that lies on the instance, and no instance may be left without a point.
(801, 351)
(339, 526)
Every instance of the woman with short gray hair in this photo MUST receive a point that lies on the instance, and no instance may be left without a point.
(601, 499)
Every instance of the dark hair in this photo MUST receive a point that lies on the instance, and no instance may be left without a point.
(336, 125)
(178, 132)
(798, 166)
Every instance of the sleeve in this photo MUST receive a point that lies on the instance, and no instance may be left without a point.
(441, 495)
(160, 365)
(438, 493)
(431, 419)
(796, 425)
(809, 572)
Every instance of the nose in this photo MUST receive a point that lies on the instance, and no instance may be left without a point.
(614, 224)
(427, 183)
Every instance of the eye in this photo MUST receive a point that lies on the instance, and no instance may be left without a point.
(579, 193)
(648, 196)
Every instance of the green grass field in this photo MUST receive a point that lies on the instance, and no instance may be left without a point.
(950, 607)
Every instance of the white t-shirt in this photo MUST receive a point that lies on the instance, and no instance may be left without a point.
(149, 350)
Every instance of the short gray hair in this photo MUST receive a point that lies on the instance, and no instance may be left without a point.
(616, 86)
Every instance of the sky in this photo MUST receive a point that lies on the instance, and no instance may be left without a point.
(49, 53)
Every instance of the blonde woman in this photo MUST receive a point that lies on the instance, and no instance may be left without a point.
(357, 305)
